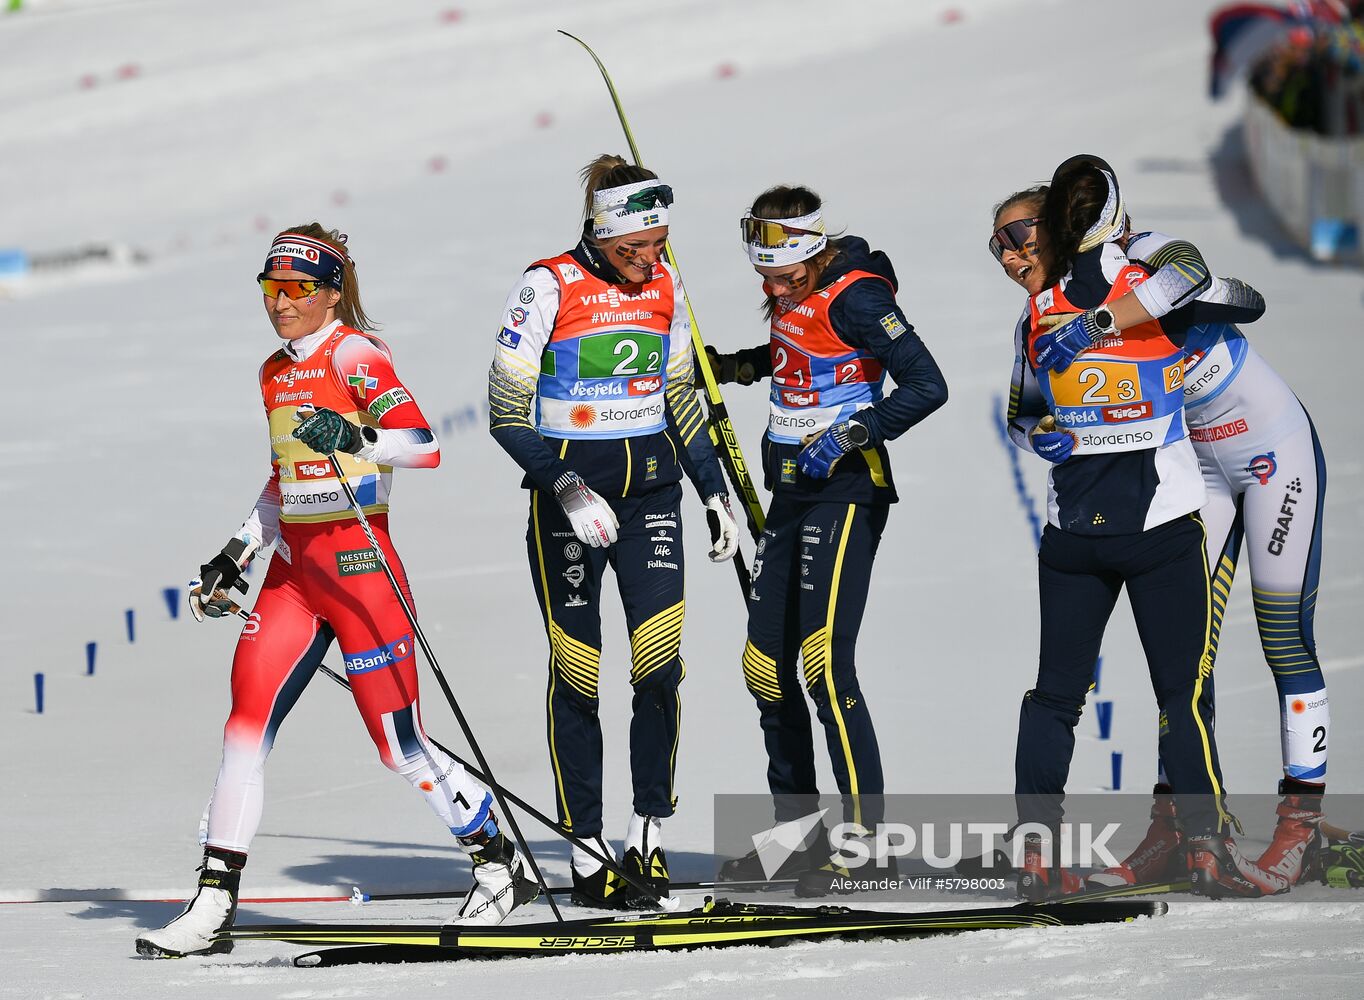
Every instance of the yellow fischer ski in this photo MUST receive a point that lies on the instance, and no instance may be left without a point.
(716, 924)
(722, 433)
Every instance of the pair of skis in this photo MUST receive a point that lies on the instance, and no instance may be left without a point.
(717, 924)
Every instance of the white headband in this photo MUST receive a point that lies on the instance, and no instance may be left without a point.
(612, 216)
(1112, 223)
(798, 247)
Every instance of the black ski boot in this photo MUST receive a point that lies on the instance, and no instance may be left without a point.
(603, 889)
(645, 860)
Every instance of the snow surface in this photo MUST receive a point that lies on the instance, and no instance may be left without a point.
(240, 118)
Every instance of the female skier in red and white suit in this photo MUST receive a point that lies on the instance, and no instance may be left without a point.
(329, 390)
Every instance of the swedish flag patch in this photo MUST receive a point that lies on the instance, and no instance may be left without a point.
(892, 325)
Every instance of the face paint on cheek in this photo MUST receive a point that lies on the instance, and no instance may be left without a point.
(626, 253)
(310, 300)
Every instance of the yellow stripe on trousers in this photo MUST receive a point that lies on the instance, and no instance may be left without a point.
(577, 662)
(549, 618)
(677, 736)
(760, 673)
(826, 653)
(1205, 670)
(656, 642)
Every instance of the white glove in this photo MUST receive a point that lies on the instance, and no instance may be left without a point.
(724, 530)
(593, 520)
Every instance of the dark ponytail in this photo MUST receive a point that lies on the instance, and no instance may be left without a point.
(1077, 197)
(787, 202)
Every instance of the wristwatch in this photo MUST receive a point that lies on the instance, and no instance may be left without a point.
(858, 434)
(1103, 320)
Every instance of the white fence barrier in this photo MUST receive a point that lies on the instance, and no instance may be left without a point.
(1313, 183)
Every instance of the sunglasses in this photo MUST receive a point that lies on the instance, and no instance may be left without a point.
(293, 289)
(650, 197)
(1020, 236)
(766, 233)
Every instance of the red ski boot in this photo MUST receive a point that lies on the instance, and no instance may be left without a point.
(1218, 868)
(1159, 855)
(1038, 881)
(1296, 847)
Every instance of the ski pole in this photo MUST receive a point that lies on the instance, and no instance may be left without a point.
(721, 427)
(610, 863)
(440, 678)
(1341, 835)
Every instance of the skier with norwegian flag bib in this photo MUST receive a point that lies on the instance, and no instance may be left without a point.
(330, 393)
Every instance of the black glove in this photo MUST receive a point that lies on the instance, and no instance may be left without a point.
(326, 431)
(728, 368)
(208, 592)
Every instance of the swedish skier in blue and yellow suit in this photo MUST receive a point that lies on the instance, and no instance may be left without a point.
(836, 330)
(597, 340)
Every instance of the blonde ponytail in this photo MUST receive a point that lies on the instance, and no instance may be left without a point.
(348, 309)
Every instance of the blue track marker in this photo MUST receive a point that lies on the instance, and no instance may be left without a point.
(1103, 711)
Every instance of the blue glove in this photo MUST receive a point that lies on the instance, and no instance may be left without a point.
(818, 458)
(1053, 445)
(1059, 347)
(326, 431)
